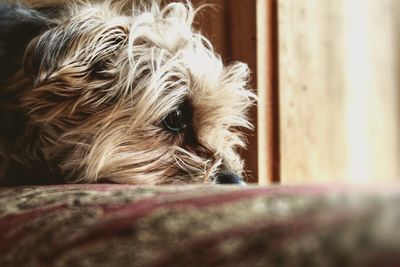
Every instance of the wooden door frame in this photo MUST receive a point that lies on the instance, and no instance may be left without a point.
(268, 92)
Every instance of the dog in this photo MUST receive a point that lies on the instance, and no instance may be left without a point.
(117, 91)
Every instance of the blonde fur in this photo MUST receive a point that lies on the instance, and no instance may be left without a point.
(100, 80)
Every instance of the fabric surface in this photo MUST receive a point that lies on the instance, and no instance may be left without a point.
(121, 225)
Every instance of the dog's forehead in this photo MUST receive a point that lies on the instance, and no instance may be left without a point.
(168, 30)
(203, 63)
(157, 52)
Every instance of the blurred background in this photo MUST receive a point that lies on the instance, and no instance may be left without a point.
(327, 76)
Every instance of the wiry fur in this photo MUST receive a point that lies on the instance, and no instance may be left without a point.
(98, 80)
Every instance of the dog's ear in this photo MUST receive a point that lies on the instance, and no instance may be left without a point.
(18, 26)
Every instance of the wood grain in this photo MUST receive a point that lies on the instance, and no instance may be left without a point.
(268, 92)
(339, 90)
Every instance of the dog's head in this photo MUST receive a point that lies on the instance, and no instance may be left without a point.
(134, 95)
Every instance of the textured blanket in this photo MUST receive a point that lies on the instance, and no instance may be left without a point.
(120, 225)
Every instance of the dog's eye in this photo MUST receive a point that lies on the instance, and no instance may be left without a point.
(176, 120)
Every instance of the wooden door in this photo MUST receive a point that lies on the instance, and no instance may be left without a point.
(339, 66)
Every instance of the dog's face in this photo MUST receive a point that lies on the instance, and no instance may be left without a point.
(135, 97)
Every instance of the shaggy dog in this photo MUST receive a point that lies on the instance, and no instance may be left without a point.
(117, 92)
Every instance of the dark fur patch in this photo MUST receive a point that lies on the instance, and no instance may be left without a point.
(18, 26)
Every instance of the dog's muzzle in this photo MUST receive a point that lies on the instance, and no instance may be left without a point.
(227, 177)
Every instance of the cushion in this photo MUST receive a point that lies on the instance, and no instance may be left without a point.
(199, 225)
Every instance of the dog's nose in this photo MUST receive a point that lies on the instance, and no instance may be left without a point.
(227, 177)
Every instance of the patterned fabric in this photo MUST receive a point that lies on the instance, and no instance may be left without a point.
(121, 225)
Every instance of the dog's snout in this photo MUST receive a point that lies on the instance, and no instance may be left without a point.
(227, 177)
